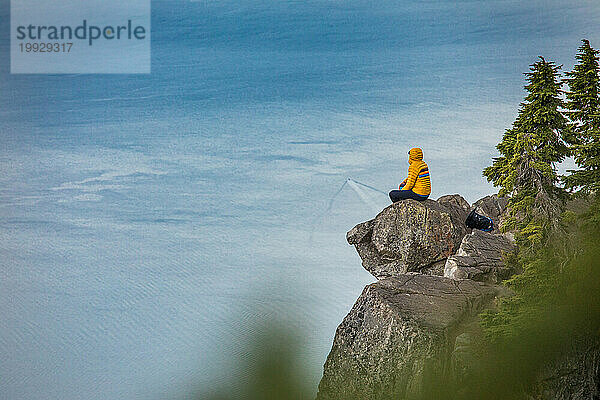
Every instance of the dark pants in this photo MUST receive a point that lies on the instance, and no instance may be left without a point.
(397, 195)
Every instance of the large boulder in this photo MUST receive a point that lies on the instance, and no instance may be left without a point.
(480, 258)
(400, 333)
(411, 236)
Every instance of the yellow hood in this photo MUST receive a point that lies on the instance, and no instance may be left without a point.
(415, 154)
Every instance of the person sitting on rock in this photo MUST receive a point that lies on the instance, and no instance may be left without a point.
(418, 185)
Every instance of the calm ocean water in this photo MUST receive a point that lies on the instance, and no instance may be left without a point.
(148, 223)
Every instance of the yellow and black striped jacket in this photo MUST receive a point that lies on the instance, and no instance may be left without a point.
(418, 174)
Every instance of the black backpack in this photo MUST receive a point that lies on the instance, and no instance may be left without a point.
(478, 221)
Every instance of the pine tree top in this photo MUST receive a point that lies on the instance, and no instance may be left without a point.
(583, 112)
(583, 96)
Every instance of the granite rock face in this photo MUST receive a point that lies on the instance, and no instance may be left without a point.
(575, 376)
(457, 206)
(411, 236)
(400, 331)
(480, 258)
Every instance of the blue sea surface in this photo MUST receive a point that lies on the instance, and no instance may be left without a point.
(149, 223)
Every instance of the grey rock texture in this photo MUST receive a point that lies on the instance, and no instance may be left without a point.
(479, 258)
(465, 358)
(576, 376)
(456, 205)
(411, 236)
(492, 207)
(400, 331)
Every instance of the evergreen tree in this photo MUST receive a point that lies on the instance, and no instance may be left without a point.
(557, 284)
(583, 111)
(528, 153)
